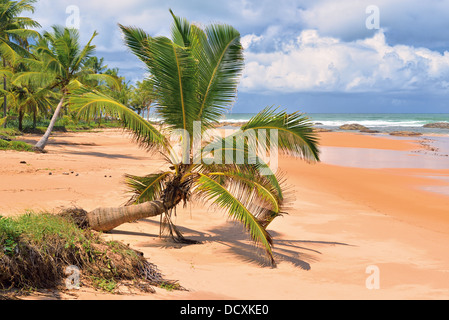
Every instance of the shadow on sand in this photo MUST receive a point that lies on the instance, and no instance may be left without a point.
(81, 151)
(300, 253)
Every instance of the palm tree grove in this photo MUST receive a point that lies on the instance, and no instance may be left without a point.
(52, 82)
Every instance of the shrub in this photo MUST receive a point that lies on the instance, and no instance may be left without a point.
(21, 146)
(15, 145)
(4, 145)
(36, 249)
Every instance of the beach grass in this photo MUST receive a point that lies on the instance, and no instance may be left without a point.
(10, 132)
(37, 248)
(15, 145)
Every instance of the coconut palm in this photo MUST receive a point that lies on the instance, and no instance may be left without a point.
(96, 64)
(30, 99)
(14, 33)
(195, 77)
(59, 67)
(121, 91)
(143, 97)
(25, 98)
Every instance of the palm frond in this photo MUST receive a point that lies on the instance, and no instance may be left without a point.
(6, 72)
(267, 202)
(180, 31)
(220, 67)
(87, 51)
(274, 195)
(112, 81)
(238, 205)
(147, 188)
(138, 41)
(36, 77)
(88, 102)
(237, 150)
(23, 33)
(295, 134)
(12, 51)
(219, 54)
(173, 71)
(28, 23)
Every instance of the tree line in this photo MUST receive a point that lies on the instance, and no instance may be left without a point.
(39, 71)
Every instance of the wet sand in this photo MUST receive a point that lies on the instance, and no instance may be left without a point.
(344, 220)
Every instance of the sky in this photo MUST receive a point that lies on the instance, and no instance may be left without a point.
(313, 56)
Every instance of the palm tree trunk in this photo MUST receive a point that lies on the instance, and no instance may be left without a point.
(106, 219)
(34, 118)
(5, 100)
(40, 146)
(21, 114)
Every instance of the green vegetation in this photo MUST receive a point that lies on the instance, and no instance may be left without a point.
(9, 132)
(15, 145)
(36, 249)
(194, 78)
(40, 71)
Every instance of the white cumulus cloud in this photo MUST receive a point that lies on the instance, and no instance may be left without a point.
(312, 62)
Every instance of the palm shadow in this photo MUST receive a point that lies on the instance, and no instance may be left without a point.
(103, 155)
(300, 253)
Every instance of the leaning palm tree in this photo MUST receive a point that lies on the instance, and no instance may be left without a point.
(59, 66)
(195, 77)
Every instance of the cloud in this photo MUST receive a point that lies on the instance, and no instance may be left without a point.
(411, 22)
(312, 62)
(291, 45)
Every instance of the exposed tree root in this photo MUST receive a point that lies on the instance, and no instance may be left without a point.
(27, 263)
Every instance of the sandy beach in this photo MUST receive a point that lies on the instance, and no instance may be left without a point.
(345, 221)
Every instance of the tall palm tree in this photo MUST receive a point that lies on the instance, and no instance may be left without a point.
(143, 97)
(60, 67)
(195, 77)
(14, 32)
(96, 64)
(26, 98)
(121, 90)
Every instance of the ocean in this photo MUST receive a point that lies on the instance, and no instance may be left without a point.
(382, 122)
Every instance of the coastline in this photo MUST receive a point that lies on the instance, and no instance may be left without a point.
(344, 219)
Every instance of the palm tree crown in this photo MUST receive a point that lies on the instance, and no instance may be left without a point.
(195, 76)
(14, 34)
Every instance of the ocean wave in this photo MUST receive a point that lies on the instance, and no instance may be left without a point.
(376, 121)
(373, 123)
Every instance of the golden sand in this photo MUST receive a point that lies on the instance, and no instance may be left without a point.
(344, 223)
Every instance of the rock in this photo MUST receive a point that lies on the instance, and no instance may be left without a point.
(50, 173)
(322, 130)
(438, 125)
(369, 131)
(353, 126)
(23, 162)
(405, 133)
(230, 124)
